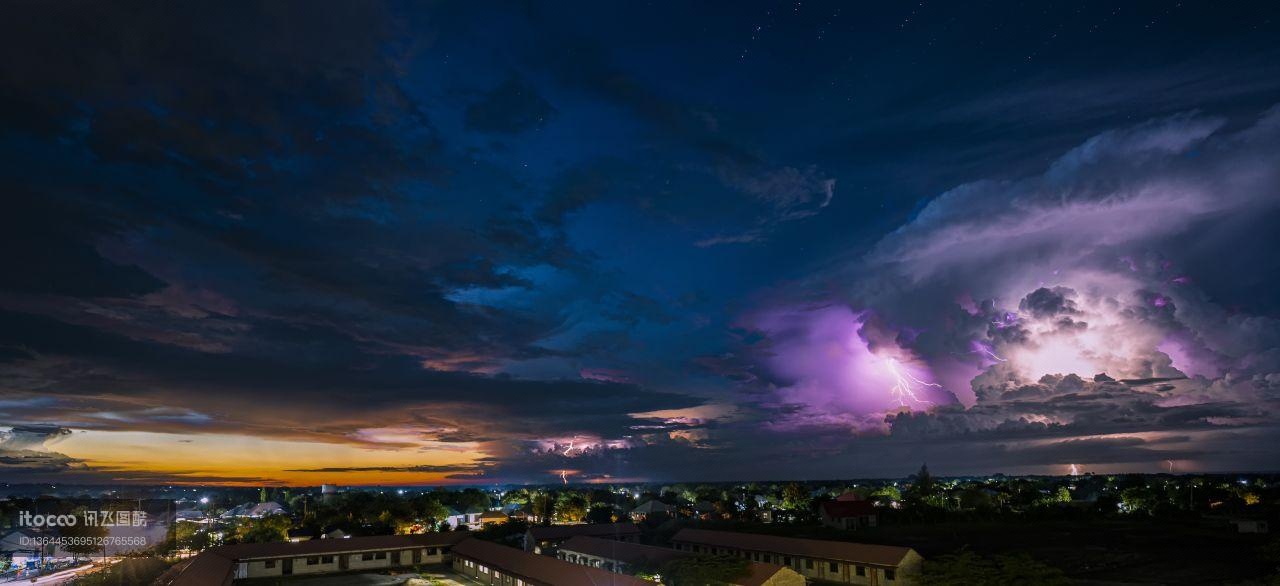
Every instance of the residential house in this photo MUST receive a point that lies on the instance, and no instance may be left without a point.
(470, 518)
(296, 535)
(828, 561)
(492, 518)
(254, 510)
(454, 518)
(651, 507)
(706, 510)
(516, 511)
(545, 538)
(765, 511)
(191, 515)
(473, 516)
(848, 514)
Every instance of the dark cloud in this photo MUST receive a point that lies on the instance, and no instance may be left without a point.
(511, 230)
(25, 452)
(1045, 302)
(311, 386)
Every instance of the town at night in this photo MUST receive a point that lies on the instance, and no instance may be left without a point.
(395, 293)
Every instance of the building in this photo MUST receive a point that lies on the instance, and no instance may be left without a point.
(616, 556)
(545, 538)
(632, 558)
(453, 518)
(848, 514)
(829, 561)
(473, 514)
(470, 518)
(706, 511)
(652, 507)
(492, 518)
(499, 565)
(221, 565)
(22, 549)
(191, 516)
(254, 510)
(296, 535)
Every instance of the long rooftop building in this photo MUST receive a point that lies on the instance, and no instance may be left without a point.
(220, 566)
(499, 565)
(830, 561)
(545, 538)
(631, 558)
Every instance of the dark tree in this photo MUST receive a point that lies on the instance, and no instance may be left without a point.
(966, 567)
(600, 514)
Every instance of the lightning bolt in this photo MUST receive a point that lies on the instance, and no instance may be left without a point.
(564, 477)
(570, 448)
(905, 385)
(1075, 470)
(986, 350)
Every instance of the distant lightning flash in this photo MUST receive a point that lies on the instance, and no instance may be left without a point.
(1075, 470)
(563, 477)
(570, 448)
(1007, 320)
(988, 351)
(905, 384)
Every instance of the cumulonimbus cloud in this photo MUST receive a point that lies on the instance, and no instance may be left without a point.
(1007, 291)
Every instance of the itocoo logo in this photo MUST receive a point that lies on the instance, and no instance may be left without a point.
(26, 519)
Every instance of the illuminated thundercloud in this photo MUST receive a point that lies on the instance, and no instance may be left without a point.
(1006, 320)
(905, 384)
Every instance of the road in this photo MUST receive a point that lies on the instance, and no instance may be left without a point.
(63, 576)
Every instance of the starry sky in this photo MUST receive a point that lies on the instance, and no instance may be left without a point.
(543, 242)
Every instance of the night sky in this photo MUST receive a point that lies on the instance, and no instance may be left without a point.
(470, 242)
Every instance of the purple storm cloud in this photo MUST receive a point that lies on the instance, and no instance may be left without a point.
(837, 365)
(1008, 296)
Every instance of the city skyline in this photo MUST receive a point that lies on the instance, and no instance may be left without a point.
(392, 244)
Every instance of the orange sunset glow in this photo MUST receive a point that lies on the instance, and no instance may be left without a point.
(249, 461)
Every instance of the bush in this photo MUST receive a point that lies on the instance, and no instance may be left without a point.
(965, 568)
